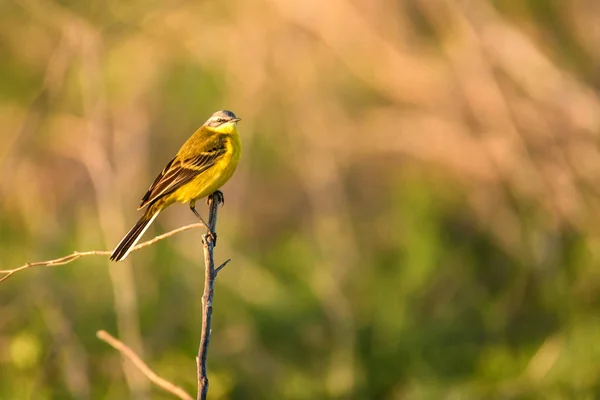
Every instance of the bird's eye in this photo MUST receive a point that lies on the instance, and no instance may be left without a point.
(220, 119)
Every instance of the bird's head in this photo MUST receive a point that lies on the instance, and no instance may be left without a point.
(222, 121)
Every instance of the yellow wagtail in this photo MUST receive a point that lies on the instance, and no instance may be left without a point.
(202, 165)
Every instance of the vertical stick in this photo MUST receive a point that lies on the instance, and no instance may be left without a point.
(207, 297)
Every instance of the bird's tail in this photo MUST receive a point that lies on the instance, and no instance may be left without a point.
(132, 237)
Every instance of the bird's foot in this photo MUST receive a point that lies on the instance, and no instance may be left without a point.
(212, 235)
(216, 196)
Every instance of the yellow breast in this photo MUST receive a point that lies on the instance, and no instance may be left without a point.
(213, 178)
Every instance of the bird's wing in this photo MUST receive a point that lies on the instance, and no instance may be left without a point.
(182, 170)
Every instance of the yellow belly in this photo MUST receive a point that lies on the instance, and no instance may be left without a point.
(211, 179)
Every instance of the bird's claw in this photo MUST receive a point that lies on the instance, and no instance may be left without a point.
(216, 196)
(213, 237)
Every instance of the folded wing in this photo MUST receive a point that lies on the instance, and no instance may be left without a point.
(180, 171)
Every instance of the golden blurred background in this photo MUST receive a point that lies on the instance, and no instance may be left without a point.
(415, 215)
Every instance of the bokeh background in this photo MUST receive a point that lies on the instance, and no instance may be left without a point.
(416, 214)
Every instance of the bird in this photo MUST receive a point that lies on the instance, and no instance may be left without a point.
(202, 165)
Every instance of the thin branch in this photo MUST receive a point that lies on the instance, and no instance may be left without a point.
(220, 267)
(77, 254)
(210, 273)
(142, 366)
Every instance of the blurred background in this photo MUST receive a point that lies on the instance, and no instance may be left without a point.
(416, 214)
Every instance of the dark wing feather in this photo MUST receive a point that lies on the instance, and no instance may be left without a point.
(156, 181)
(178, 172)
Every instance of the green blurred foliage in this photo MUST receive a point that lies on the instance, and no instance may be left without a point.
(415, 215)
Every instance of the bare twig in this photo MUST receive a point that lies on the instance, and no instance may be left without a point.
(209, 285)
(220, 267)
(77, 254)
(142, 366)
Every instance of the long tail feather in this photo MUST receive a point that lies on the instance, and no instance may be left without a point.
(132, 237)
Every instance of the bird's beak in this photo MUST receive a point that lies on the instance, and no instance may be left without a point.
(236, 119)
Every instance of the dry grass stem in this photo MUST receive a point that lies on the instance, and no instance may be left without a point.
(142, 366)
(77, 254)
